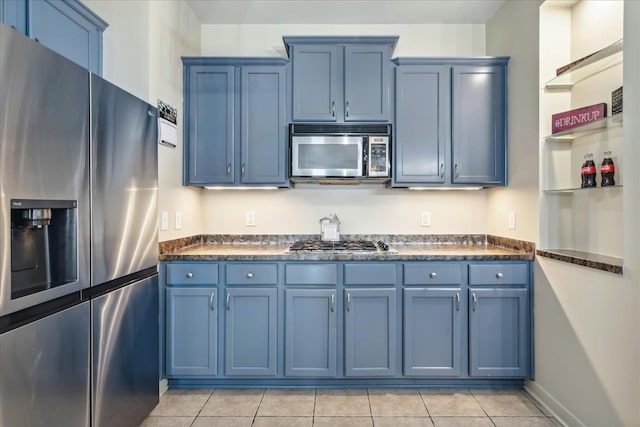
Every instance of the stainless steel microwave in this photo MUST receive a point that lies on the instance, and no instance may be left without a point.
(342, 151)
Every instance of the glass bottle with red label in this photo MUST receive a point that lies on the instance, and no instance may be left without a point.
(607, 170)
(588, 171)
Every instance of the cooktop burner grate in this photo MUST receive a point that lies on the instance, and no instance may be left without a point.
(342, 245)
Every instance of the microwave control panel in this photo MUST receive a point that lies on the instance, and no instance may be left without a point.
(378, 164)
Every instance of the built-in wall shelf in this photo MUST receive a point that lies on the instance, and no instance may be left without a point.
(570, 135)
(572, 190)
(586, 259)
(599, 61)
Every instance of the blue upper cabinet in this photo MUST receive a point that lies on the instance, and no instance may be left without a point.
(315, 82)
(14, 14)
(209, 119)
(235, 122)
(422, 124)
(341, 79)
(451, 125)
(479, 130)
(65, 26)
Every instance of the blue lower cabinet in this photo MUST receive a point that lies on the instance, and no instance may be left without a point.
(370, 332)
(310, 333)
(192, 337)
(251, 331)
(14, 14)
(498, 332)
(433, 326)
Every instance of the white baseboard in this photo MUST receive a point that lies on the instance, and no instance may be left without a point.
(552, 405)
(164, 386)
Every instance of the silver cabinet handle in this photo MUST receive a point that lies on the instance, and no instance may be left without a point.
(347, 108)
(475, 301)
(499, 276)
(333, 303)
(228, 169)
(433, 275)
(456, 170)
(228, 303)
(333, 108)
(249, 275)
(441, 170)
(243, 169)
(457, 301)
(150, 113)
(189, 275)
(348, 301)
(212, 306)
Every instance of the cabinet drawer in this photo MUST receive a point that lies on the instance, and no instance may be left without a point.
(498, 274)
(369, 274)
(252, 274)
(432, 274)
(192, 274)
(311, 274)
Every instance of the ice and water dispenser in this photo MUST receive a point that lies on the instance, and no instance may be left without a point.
(44, 242)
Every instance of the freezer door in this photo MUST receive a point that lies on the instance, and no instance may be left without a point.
(124, 182)
(44, 149)
(44, 371)
(125, 356)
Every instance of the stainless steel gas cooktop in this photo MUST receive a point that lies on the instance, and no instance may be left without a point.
(339, 246)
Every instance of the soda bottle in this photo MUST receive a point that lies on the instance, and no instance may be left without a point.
(583, 172)
(589, 171)
(607, 170)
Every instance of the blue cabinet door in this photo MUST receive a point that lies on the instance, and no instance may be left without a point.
(498, 332)
(68, 28)
(251, 332)
(367, 74)
(209, 118)
(14, 14)
(479, 124)
(433, 321)
(192, 332)
(316, 84)
(370, 332)
(422, 131)
(310, 333)
(264, 127)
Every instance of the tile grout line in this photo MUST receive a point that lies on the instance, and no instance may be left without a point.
(480, 405)
(313, 413)
(205, 404)
(253, 421)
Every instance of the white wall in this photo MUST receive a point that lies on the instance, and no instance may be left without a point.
(415, 40)
(586, 321)
(142, 49)
(513, 31)
(361, 209)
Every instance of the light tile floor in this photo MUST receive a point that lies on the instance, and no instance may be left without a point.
(348, 407)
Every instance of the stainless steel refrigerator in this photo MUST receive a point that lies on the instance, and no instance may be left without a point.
(124, 256)
(78, 244)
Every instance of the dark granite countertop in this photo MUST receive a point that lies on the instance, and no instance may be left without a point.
(403, 248)
(586, 259)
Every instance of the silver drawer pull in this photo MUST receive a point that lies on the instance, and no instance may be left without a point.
(249, 275)
(212, 306)
(228, 302)
(333, 302)
(348, 301)
(433, 275)
(499, 276)
(189, 275)
(475, 301)
(457, 301)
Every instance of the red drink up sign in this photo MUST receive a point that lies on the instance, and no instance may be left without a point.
(580, 116)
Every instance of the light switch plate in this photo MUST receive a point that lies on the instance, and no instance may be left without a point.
(512, 220)
(425, 219)
(164, 220)
(178, 220)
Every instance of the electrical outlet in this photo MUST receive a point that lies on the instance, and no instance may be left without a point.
(164, 220)
(250, 219)
(178, 220)
(425, 219)
(512, 220)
